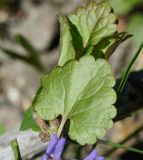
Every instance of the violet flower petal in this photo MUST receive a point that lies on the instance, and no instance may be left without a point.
(100, 158)
(52, 143)
(44, 157)
(91, 156)
(59, 149)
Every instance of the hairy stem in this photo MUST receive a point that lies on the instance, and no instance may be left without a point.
(61, 127)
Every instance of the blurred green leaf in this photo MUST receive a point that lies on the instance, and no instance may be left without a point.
(16, 150)
(3, 3)
(29, 122)
(2, 129)
(14, 54)
(31, 51)
(26, 45)
(135, 27)
(122, 7)
(31, 57)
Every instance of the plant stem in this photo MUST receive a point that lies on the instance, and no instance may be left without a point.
(126, 73)
(120, 146)
(16, 150)
(61, 127)
(126, 139)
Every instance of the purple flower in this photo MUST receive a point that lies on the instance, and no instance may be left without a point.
(56, 146)
(93, 156)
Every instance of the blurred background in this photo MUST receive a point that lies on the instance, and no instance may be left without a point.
(29, 47)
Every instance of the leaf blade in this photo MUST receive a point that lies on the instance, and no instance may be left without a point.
(67, 51)
(28, 121)
(94, 22)
(64, 92)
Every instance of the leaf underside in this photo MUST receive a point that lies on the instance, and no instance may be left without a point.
(80, 91)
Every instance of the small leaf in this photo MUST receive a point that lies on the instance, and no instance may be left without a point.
(80, 91)
(67, 51)
(16, 150)
(92, 30)
(28, 121)
(106, 47)
(94, 22)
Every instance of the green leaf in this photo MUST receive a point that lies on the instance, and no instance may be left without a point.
(67, 51)
(92, 30)
(106, 47)
(16, 150)
(80, 91)
(94, 22)
(28, 121)
(76, 40)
